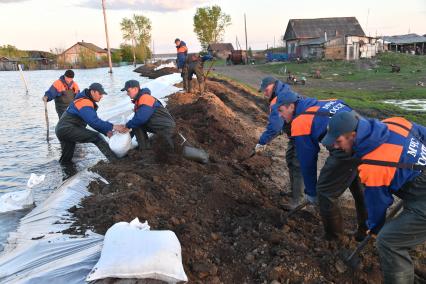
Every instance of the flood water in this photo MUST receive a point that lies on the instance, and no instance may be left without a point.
(412, 105)
(23, 146)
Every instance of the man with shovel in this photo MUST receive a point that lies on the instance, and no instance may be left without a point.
(271, 87)
(392, 158)
(63, 91)
(150, 116)
(194, 65)
(309, 118)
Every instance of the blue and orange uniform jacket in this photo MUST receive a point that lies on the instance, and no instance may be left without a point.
(275, 121)
(387, 141)
(85, 108)
(182, 51)
(60, 86)
(145, 105)
(308, 127)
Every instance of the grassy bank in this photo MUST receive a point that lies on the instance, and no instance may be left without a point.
(412, 67)
(370, 103)
(363, 84)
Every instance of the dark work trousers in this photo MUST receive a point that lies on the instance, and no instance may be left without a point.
(189, 70)
(62, 102)
(71, 130)
(161, 123)
(403, 233)
(296, 179)
(339, 173)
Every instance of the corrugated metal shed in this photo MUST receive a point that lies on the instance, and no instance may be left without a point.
(405, 39)
(314, 28)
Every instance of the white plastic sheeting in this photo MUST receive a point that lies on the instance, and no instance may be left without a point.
(160, 88)
(39, 253)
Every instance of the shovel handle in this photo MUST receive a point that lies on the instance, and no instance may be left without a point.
(297, 209)
(364, 242)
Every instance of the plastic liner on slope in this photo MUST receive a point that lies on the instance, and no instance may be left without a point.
(39, 253)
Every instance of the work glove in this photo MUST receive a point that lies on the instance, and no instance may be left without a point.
(259, 148)
(311, 199)
(44, 98)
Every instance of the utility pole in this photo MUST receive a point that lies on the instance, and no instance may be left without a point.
(107, 38)
(245, 28)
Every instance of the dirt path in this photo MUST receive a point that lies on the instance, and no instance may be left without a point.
(227, 213)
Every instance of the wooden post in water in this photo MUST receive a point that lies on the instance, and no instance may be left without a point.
(107, 38)
(46, 117)
(23, 78)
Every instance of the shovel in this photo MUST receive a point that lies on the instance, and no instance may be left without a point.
(208, 71)
(353, 259)
(294, 211)
(246, 158)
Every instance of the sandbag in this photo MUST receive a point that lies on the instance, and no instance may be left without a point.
(120, 144)
(131, 250)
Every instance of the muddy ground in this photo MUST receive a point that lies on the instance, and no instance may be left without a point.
(228, 213)
(148, 70)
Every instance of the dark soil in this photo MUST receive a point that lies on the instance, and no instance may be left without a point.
(147, 70)
(227, 213)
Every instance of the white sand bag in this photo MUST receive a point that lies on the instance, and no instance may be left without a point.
(120, 144)
(132, 251)
(16, 200)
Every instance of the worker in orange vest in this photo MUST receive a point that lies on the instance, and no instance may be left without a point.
(392, 161)
(63, 91)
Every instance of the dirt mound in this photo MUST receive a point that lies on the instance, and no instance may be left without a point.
(148, 70)
(227, 214)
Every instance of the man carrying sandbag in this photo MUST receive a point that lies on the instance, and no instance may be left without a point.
(63, 91)
(71, 128)
(150, 116)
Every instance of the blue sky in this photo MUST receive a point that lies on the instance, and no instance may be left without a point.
(49, 24)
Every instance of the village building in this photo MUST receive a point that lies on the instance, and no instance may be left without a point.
(83, 50)
(328, 38)
(220, 50)
(409, 43)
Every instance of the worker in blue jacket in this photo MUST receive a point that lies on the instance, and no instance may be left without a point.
(71, 128)
(181, 53)
(392, 157)
(62, 91)
(309, 118)
(150, 116)
(271, 87)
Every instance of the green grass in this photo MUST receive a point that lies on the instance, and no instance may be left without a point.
(371, 103)
(373, 76)
(364, 69)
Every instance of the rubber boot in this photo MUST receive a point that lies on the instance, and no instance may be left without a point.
(142, 138)
(188, 86)
(331, 218)
(333, 226)
(105, 149)
(202, 87)
(361, 210)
